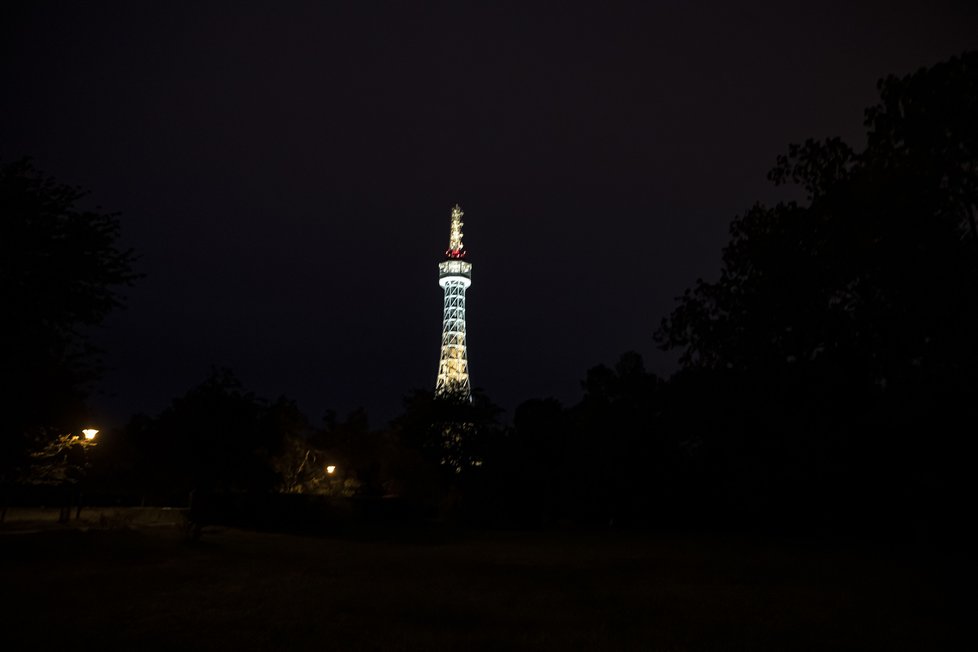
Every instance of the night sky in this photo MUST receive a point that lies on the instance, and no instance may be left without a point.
(286, 172)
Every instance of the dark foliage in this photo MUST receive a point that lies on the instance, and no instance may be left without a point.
(60, 272)
(216, 438)
(844, 329)
(452, 432)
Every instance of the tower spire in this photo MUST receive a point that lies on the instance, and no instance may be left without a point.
(455, 247)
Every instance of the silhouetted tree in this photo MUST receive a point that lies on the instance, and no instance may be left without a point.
(357, 456)
(216, 438)
(447, 430)
(616, 446)
(442, 446)
(877, 272)
(847, 323)
(60, 270)
(533, 463)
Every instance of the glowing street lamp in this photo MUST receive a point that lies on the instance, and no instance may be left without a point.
(331, 469)
(89, 434)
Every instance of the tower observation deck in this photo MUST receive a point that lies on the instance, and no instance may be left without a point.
(454, 276)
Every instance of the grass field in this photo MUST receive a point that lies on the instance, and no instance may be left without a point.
(236, 590)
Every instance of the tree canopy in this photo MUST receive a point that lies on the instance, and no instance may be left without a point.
(842, 329)
(61, 270)
(877, 272)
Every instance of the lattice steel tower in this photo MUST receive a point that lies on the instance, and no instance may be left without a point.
(454, 276)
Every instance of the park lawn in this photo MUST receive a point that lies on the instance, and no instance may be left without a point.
(241, 590)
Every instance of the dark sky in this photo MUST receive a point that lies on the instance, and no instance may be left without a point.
(286, 171)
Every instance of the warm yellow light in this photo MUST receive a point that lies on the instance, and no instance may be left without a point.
(330, 469)
(89, 433)
(455, 242)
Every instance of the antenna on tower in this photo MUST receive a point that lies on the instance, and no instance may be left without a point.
(455, 247)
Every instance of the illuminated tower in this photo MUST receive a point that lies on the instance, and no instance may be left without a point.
(454, 276)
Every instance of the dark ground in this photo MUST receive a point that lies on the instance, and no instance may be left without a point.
(148, 588)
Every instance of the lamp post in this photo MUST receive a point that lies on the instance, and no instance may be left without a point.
(331, 479)
(89, 440)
